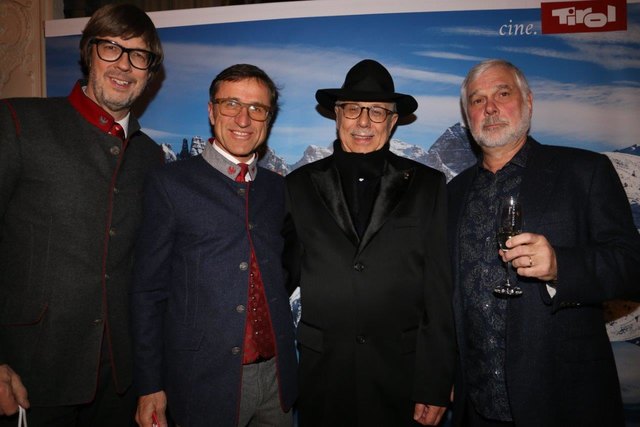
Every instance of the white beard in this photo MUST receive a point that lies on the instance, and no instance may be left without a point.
(506, 135)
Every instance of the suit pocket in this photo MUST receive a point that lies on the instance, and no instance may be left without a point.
(25, 278)
(30, 315)
(584, 349)
(180, 337)
(310, 337)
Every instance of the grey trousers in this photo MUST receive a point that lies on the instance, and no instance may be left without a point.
(260, 401)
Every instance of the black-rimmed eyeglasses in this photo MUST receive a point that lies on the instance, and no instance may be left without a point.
(111, 51)
(231, 107)
(376, 114)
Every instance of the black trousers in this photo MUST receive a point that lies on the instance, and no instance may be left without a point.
(108, 409)
(473, 419)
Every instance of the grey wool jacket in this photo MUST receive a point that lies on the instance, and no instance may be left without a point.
(70, 207)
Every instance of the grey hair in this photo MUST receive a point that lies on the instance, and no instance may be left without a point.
(478, 69)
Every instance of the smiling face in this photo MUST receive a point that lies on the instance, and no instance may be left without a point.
(240, 136)
(115, 86)
(361, 135)
(499, 114)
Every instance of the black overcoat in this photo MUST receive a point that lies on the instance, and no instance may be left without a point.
(376, 333)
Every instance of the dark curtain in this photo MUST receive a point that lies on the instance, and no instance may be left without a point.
(82, 8)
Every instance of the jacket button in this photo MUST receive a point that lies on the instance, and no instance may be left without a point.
(241, 192)
(358, 266)
(243, 266)
(360, 339)
(115, 150)
(97, 322)
(240, 308)
(235, 350)
(112, 232)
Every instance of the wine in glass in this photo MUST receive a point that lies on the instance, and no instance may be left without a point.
(509, 224)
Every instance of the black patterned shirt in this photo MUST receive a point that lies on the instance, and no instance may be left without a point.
(481, 270)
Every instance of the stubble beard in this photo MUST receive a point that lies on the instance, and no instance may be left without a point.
(117, 103)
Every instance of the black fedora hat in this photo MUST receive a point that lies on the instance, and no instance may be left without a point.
(368, 80)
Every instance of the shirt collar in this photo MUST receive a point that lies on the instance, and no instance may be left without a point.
(520, 158)
(124, 122)
(225, 163)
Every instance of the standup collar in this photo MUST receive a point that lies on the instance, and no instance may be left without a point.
(93, 113)
(225, 163)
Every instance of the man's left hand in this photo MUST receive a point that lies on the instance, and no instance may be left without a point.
(532, 256)
(428, 415)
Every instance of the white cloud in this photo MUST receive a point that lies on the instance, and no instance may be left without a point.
(630, 36)
(299, 70)
(605, 55)
(586, 113)
(616, 50)
(436, 113)
(470, 31)
(605, 97)
(158, 135)
(448, 55)
(425, 76)
(586, 123)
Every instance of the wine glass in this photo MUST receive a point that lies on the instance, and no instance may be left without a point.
(509, 224)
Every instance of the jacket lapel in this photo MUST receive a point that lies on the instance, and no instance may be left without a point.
(327, 183)
(537, 186)
(393, 186)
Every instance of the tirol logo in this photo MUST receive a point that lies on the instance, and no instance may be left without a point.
(584, 16)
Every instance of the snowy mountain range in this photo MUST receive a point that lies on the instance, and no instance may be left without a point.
(634, 149)
(628, 168)
(451, 153)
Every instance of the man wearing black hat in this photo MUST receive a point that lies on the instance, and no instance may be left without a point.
(365, 241)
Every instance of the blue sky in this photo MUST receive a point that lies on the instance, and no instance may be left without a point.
(586, 86)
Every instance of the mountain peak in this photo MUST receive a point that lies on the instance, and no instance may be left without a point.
(634, 149)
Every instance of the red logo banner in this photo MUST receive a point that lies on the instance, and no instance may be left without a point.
(583, 16)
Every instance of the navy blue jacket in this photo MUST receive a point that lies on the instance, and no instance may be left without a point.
(191, 287)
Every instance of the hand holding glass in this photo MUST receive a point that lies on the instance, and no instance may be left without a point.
(509, 225)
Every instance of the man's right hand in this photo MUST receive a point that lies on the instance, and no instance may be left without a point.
(12, 391)
(149, 404)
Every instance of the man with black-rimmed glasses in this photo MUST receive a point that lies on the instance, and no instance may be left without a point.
(366, 243)
(71, 173)
(213, 331)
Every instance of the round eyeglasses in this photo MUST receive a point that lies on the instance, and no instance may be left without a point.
(231, 107)
(376, 114)
(111, 52)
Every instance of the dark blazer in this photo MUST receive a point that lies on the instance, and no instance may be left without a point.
(70, 206)
(560, 369)
(191, 287)
(376, 333)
